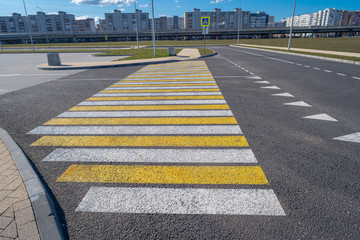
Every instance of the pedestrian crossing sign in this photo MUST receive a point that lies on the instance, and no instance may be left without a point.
(205, 21)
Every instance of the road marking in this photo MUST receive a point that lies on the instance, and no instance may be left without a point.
(167, 78)
(233, 76)
(146, 155)
(142, 141)
(247, 175)
(306, 66)
(282, 95)
(204, 72)
(114, 87)
(143, 84)
(143, 121)
(281, 60)
(108, 114)
(150, 107)
(341, 74)
(160, 91)
(3, 90)
(191, 74)
(148, 102)
(182, 201)
(271, 87)
(266, 82)
(315, 68)
(300, 104)
(354, 137)
(144, 130)
(321, 116)
(101, 98)
(358, 78)
(25, 74)
(328, 71)
(155, 94)
(299, 64)
(139, 82)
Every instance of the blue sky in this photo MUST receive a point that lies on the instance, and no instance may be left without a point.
(97, 8)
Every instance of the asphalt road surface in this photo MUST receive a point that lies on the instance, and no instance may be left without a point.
(269, 150)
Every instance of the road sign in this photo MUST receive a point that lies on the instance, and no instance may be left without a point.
(106, 37)
(205, 21)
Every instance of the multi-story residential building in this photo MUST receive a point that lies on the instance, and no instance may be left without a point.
(259, 20)
(84, 25)
(13, 24)
(350, 18)
(121, 22)
(218, 19)
(61, 22)
(175, 23)
(101, 26)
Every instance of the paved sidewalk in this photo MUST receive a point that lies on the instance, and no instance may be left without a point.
(348, 54)
(17, 219)
(185, 54)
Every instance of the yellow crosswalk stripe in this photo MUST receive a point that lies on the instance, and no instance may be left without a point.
(169, 80)
(150, 107)
(142, 141)
(142, 121)
(165, 85)
(252, 175)
(154, 98)
(162, 90)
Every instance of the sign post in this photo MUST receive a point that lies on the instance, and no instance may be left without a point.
(205, 23)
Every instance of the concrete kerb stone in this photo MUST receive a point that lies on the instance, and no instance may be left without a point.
(302, 55)
(43, 207)
(125, 64)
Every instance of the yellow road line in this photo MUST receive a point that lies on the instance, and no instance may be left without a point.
(167, 76)
(153, 98)
(150, 107)
(162, 90)
(176, 80)
(165, 85)
(253, 175)
(142, 121)
(142, 141)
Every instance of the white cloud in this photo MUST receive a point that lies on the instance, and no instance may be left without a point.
(53, 13)
(176, 1)
(104, 2)
(216, 1)
(178, 6)
(86, 17)
(144, 5)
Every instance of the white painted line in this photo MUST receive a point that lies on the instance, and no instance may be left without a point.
(358, 78)
(306, 66)
(152, 83)
(251, 73)
(181, 201)
(254, 77)
(282, 95)
(281, 60)
(341, 74)
(248, 53)
(299, 64)
(246, 70)
(146, 155)
(300, 104)
(165, 78)
(328, 71)
(271, 87)
(321, 116)
(354, 137)
(143, 130)
(113, 114)
(232, 76)
(144, 94)
(266, 82)
(25, 74)
(152, 102)
(144, 88)
(3, 90)
(315, 68)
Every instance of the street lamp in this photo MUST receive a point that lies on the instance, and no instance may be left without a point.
(27, 17)
(153, 26)
(47, 39)
(292, 25)
(136, 22)
(238, 35)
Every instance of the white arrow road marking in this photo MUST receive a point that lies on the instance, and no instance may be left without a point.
(321, 116)
(300, 104)
(282, 95)
(271, 87)
(354, 137)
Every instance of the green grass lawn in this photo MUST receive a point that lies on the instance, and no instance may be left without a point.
(143, 53)
(207, 51)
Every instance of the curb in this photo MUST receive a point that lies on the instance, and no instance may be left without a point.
(302, 55)
(124, 65)
(44, 211)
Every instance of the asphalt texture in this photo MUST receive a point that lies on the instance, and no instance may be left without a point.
(315, 178)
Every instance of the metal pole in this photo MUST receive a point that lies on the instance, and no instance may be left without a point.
(1, 46)
(292, 25)
(137, 33)
(153, 27)
(238, 35)
(204, 39)
(47, 39)
(32, 43)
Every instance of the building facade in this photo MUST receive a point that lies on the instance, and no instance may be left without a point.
(126, 22)
(13, 24)
(84, 26)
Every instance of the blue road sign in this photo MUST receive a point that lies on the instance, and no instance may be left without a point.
(205, 21)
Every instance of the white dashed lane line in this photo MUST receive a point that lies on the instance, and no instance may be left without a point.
(306, 66)
(358, 78)
(328, 71)
(341, 74)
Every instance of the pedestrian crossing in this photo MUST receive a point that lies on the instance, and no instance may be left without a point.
(165, 126)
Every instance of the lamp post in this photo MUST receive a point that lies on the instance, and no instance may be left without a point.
(292, 25)
(32, 43)
(153, 26)
(136, 22)
(47, 39)
(238, 33)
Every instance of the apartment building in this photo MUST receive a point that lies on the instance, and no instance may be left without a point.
(123, 22)
(13, 24)
(259, 20)
(350, 18)
(84, 26)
